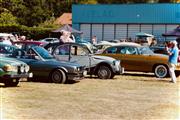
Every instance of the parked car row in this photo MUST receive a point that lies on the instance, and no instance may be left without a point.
(70, 61)
(67, 62)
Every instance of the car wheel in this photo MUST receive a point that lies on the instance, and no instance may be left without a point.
(11, 82)
(58, 76)
(104, 72)
(112, 76)
(161, 71)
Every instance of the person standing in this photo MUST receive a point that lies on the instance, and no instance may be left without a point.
(172, 51)
(94, 40)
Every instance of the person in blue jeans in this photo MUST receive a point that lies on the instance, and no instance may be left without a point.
(173, 57)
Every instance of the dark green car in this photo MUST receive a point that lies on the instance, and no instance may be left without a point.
(45, 67)
(12, 70)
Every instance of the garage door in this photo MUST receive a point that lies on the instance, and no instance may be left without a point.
(108, 32)
(158, 30)
(86, 29)
(146, 29)
(121, 31)
(97, 31)
(171, 28)
(133, 30)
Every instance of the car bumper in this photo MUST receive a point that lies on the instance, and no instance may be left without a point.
(24, 75)
(76, 76)
(121, 71)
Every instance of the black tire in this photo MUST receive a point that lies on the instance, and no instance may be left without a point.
(11, 82)
(58, 76)
(104, 72)
(112, 76)
(161, 71)
(177, 73)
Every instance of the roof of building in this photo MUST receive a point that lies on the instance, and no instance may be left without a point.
(65, 18)
(127, 13)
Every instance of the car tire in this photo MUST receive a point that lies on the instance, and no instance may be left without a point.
(112, 76)
(104, 72)
(11, 82)
(58, 76)
(161, 71)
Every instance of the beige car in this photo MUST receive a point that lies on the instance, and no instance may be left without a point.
(135, 57)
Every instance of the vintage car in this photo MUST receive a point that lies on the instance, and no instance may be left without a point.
(135, 57)
(101, 46)
(12, 70)
(102, 66)
(43, 65)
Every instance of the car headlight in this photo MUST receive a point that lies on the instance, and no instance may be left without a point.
(22, 69)
(116, 62)
(9, 68)
(27, 68)
(78, 69)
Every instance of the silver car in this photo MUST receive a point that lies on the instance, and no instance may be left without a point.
(102, 66)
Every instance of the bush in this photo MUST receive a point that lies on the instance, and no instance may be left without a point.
(35, 33)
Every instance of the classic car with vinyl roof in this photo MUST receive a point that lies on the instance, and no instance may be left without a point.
(135, 57)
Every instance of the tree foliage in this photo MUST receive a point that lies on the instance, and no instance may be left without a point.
(7, 18)
(36, 12)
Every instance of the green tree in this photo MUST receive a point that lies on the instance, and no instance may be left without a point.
(7, 18)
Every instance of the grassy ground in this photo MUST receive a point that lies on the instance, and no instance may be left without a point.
(130, 96)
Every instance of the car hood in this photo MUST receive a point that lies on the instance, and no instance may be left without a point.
(102, 57)
(12, 61)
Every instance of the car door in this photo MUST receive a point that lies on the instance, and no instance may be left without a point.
(80, 55)
(131, 60)
(62, 52)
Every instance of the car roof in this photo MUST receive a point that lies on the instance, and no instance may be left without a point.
(128, 44)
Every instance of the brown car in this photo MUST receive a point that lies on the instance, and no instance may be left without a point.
(135, 57)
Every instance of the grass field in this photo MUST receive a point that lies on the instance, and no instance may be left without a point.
(135, 96)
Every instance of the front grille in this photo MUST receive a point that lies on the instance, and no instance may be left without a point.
(19, 69)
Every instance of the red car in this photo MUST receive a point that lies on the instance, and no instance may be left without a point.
(25, 45)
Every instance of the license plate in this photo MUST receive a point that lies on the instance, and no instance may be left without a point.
(14, 80)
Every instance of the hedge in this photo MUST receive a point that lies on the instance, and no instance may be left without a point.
(35, 33)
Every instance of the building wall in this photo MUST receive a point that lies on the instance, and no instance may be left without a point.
(109, 22)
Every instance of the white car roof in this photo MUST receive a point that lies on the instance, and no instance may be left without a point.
(127, 44)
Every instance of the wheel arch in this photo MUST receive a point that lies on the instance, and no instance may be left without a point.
(61, 68)
(154, 66)
(102, 64)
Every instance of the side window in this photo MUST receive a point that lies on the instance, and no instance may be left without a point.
(77, 50)
(62, 50)
(111, 50)
(128, 50)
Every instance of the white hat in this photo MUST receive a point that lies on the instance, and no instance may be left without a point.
(174, 42)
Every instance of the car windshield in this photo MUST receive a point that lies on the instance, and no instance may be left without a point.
(6, 49)
(43, 53)
(145, 50)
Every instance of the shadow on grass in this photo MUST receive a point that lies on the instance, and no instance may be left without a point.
(3, 86)
(45, 80)
(138, 74)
